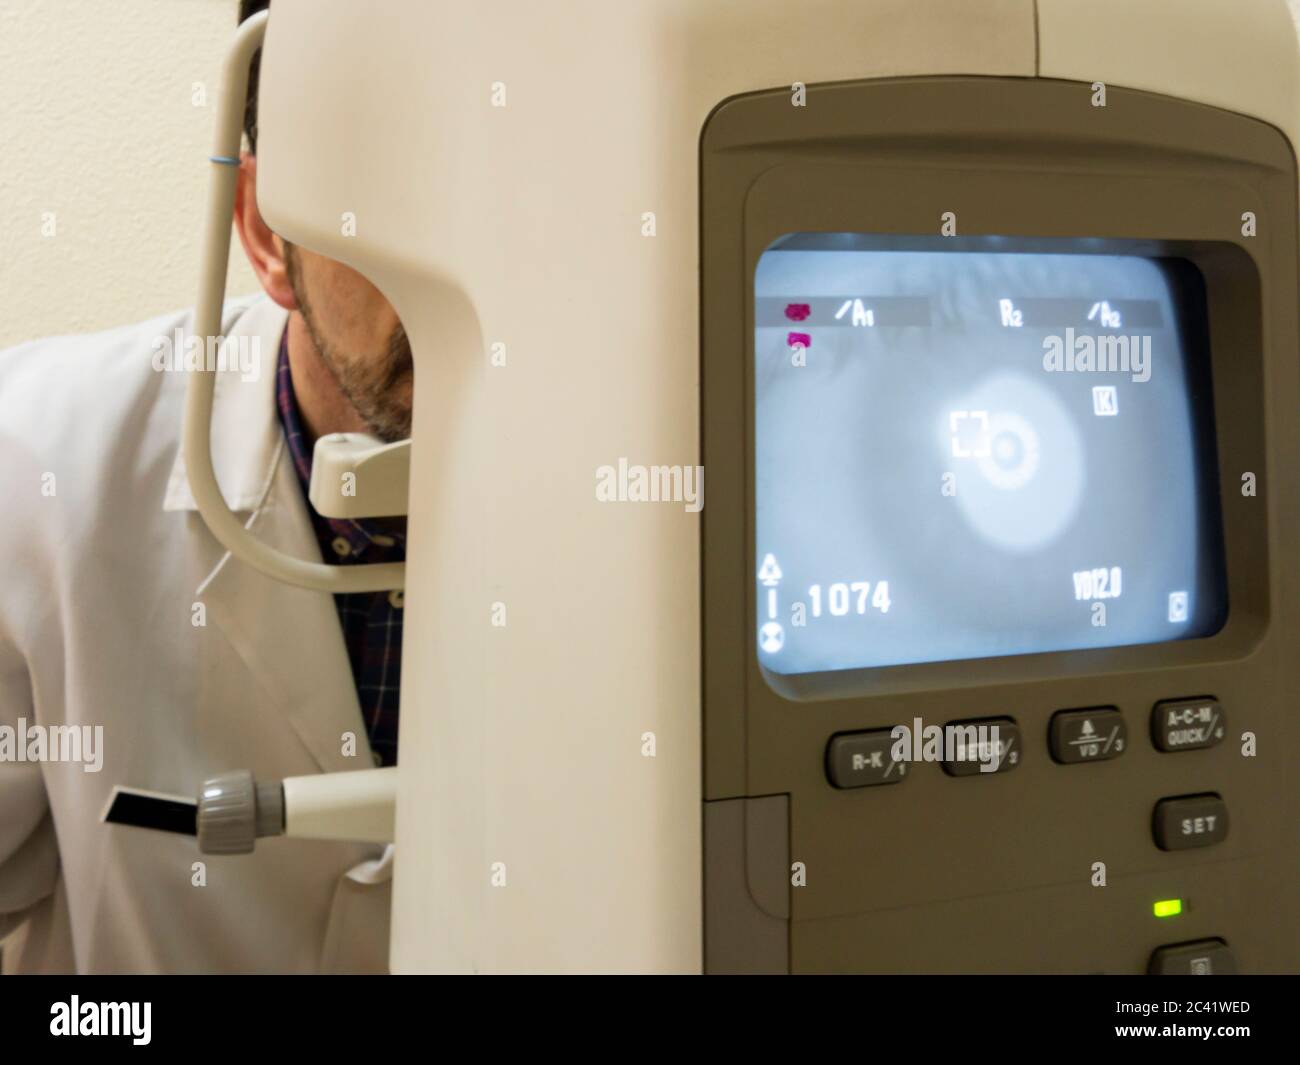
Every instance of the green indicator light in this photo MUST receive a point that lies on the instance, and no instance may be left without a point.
(1168, 908)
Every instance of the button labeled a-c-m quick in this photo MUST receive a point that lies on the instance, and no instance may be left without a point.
(1190, 821)
(1187, 724)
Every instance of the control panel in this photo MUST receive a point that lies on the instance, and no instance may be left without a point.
(999, 624)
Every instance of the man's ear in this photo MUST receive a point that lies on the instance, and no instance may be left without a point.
(266, 252)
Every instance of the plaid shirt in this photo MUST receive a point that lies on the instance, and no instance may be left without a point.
(372, 621)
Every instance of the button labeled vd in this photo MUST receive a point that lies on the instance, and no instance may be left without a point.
(1087, 735)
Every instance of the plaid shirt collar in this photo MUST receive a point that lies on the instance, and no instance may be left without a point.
(363, 537)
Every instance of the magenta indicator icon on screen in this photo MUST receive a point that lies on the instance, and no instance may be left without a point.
(798, 312)
(799, 340)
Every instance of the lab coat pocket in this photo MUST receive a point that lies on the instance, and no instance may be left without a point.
(356, 939)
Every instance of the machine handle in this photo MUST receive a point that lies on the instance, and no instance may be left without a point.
(234, 810)
(219, 518)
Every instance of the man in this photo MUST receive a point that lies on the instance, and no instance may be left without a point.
(124, 626)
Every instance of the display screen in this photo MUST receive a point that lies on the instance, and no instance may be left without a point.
(974, 453)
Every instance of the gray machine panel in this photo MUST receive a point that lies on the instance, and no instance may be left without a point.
(1001, 872)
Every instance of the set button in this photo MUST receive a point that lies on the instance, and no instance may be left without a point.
(1189, 821)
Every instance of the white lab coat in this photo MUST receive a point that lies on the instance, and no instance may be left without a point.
(97, 611)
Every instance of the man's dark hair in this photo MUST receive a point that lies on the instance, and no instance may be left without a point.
(247, 9)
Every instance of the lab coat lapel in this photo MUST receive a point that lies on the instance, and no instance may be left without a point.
(245, 430)
(289, 638)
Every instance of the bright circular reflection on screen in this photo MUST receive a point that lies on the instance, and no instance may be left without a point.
(1023, 476)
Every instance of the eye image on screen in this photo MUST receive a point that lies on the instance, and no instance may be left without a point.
(966, 454)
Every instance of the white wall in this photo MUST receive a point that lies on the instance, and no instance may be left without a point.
(98, 126)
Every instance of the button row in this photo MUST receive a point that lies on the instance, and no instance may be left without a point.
(861, 759)
(992, 745)
(963, 748)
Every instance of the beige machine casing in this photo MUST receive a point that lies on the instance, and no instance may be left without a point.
(523, 180)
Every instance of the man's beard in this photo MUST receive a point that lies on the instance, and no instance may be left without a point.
(378, 387)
